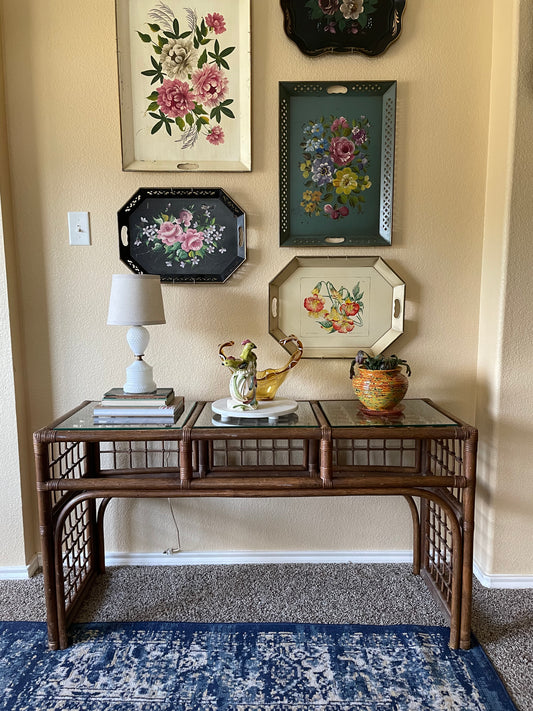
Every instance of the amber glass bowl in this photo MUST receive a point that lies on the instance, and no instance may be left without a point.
(269, 380)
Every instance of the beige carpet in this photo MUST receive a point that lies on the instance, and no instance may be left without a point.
(333, 593)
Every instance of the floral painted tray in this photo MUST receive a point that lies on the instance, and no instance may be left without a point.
(184, 82)
(320, 26)
(336, 163)
(337, 305)
(182, 234)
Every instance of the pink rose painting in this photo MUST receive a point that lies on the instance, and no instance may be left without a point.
(188, 78)
(193, 241)
(182, 236)
(341, 151)
(215, 136)
(175, 98)
(210, 85)
(186, 217)
(215, 22)
(170, 233)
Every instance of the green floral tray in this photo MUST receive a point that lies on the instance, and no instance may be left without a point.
(336, 163)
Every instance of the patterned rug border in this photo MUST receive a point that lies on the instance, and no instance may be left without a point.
(495, 695)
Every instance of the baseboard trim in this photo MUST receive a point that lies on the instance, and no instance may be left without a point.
(263, 557)
(257, 557)
(21, 572)
(509, 582)
(497, 580)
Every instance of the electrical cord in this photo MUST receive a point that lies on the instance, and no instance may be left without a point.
(170, 551)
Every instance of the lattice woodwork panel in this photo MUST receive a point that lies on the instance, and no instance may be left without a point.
(368, 453)
(139, 455)
(439, 550)
(68, 460)
(446, 458)
(76, 542)
(257, 454)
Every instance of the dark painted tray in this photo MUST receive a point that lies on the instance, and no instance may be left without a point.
(182, 234)
(320, 26)
(336, 163)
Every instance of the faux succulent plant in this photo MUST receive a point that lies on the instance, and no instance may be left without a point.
(378, 362)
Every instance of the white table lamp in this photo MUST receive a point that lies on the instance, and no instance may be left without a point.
(136, 301)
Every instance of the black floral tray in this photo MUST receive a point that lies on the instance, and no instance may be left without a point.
(320, 26)
(182, 234)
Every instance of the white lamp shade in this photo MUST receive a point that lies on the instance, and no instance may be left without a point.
(135, 300)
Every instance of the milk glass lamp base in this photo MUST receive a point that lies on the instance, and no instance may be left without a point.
(139, 378)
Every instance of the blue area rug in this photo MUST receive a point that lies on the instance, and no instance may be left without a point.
(171, 666)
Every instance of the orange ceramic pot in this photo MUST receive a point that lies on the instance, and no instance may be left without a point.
(380, 390)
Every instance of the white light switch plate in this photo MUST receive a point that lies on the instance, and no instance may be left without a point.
(78, 228)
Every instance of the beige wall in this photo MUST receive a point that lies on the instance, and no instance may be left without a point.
(505, 417)
(18, 534)
(64, 139)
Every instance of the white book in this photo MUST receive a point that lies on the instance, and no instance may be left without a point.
(139, 421)
(138, 411)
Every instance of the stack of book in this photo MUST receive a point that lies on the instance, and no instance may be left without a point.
(160, 407)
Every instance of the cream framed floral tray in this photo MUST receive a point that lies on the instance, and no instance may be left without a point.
(193, 235)
(337, 305)
(336, 163)
(184, 84)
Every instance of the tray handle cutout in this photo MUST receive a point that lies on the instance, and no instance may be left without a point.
(397, 310)
(337, 89)
(187, 166)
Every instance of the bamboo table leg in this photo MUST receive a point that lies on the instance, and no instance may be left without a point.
(468, 539)
(46, 531)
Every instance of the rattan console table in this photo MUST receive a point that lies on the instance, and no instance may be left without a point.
(325, 448)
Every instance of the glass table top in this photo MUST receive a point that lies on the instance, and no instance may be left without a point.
(339, 413)
(413, 413)
(83, 419)
(303, 417)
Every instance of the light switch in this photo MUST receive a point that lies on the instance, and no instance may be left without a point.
(78, 228)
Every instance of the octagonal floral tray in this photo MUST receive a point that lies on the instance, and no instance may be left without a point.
(337, 305)
(182, 234)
